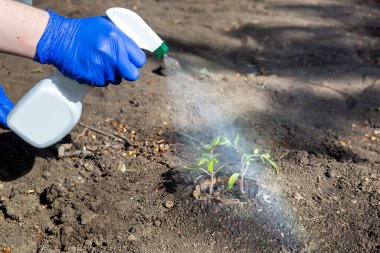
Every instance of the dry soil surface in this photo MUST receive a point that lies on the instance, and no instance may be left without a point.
(300, 79)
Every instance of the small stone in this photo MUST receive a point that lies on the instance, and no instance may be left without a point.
(96, 242)
(298, 196)
(38, 189)
(66, 232)
(72, 249)
(331, 173)
(157, 223)
(117, 146)
(67, 215)
(51, 229)
(88, 167)
(169, 204)
(88, 243)
(2, 187)
(86, 217)
(122, 167)
(47, 175)
(13, 213)
(131, 238)
(61, 151)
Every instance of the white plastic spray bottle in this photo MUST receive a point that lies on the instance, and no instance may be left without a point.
(51, 109)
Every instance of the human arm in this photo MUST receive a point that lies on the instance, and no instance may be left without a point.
(21, 28)
(90, 50)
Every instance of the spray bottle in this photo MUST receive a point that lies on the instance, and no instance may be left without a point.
(51, 109)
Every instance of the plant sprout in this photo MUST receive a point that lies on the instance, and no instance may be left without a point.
(208, 160)
(245, 162)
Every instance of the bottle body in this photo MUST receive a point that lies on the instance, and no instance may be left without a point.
(53, 107)
(49, 111)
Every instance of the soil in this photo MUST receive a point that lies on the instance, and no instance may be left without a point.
(300, 79)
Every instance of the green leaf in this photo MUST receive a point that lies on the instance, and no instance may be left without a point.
(237, 139)
(215, 155)
(202, 161)
(225, 141)
(210, 166)
(232, 180)
(272, 163)
(215, 142)
(248, 160)
(256, 151)
(207, 147)
(248, 157)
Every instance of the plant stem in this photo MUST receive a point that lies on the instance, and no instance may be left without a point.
(212, 183)
(242, 184)
(242, 172)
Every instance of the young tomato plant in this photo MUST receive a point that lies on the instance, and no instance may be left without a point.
(208, 161)
(245, 162)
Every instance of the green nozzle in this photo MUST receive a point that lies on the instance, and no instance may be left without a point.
(162, 50)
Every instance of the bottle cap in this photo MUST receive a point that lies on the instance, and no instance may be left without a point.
(162, 50)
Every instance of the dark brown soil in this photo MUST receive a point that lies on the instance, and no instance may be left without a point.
(298, 78)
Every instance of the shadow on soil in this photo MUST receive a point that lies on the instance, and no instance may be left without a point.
(169, 181)
(17, 157)
(278, 49)
(304, 119)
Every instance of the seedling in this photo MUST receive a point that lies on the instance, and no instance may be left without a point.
(209, 159)
(207, 162)
(246, 161)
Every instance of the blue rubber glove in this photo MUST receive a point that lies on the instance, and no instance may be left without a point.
(90, 50)
(6, 106)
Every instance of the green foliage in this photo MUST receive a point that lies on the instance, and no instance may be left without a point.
(208, 160)
(232, 180)
(237, 139)
(266, 158)
(212, 145)
(225, 141)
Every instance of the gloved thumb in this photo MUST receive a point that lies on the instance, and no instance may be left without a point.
(6, 106)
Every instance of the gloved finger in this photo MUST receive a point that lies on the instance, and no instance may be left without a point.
(115, 80)
(6, 106)
(111, 73)
(128, 70)
(135, 54)
(118, 79)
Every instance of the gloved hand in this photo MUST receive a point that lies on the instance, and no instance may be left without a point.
(90, 50)
(6, 106)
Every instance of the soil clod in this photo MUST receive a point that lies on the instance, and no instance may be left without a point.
(169, 204)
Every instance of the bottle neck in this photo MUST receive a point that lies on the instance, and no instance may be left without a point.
(69, 88)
